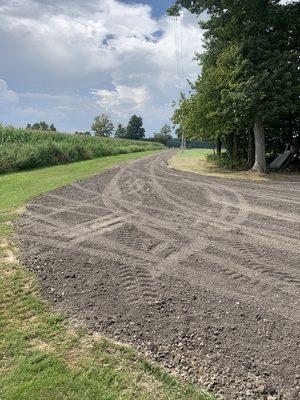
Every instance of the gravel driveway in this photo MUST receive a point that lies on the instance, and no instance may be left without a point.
(200, 273)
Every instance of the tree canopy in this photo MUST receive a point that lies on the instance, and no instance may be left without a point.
(249, 82)
(102, 125)
(135, 129)
(121, 132)
(42, 125)
(163, 135)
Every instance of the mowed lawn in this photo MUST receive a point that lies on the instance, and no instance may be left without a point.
(195, 160)
(194, 153)
(41, 355)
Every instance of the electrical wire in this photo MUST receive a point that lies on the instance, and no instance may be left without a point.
(178, 39)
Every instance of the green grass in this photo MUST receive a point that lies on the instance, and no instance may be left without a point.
(196, 161)
(194, 153)
(18, 187)
(41, 356)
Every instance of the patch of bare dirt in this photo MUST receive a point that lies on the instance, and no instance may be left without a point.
(9, 256)
(200, 273)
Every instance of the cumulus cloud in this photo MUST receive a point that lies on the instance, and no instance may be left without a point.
(123, 99)
(8, 98)
(82, 57)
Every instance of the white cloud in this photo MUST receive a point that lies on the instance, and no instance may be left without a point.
(94, 55)
(8, 98)
(123, 99)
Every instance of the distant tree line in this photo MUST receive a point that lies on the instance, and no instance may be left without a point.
(41, 126)
(134, 130)
(104, 127)
(190, 144)
(163, 135)
(246, 98)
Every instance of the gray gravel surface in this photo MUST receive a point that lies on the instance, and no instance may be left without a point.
(199, 273)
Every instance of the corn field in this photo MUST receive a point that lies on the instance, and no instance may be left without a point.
(23, 148)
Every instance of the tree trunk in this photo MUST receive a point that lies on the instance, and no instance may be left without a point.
(229, 140)
(236, 150)
(260, 146)
(219, 148)
(251, 149)
(214, 148)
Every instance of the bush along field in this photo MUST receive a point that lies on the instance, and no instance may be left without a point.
(23, 149)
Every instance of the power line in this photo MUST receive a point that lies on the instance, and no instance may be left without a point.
(181, 43)
(178, 39)
(178, 45)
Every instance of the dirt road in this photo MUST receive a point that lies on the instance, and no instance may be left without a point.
(201, 273)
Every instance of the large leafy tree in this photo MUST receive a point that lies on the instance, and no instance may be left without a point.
(102, 125)
(121, 132)
(215, 114)
(163, 135)
(260, 84)
(207, 114)
(135, 129)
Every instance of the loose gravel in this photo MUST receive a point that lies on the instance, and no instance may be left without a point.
(201, 274)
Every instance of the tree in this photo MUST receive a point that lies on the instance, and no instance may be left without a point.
(208, 114)
(42, 125)
(121, 132)
(267, 72)
(178, 132)
(135, 129)
(102, 125)
(164, 135)
(36, 126)
(249, 70)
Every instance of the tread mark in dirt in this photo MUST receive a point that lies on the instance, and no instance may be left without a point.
(262, 264)
(137, 284)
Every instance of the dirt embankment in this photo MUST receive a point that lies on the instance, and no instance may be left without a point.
(201, 273)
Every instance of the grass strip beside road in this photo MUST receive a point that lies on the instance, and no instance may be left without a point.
(41, 355)
(195, 161)
(17, 188)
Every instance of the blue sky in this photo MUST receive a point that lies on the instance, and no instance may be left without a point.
(65, 61)
(159, 7)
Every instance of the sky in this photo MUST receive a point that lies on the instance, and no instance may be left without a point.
(158, 7)
(66, 61)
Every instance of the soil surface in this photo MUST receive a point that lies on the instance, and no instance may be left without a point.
(200, 273)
